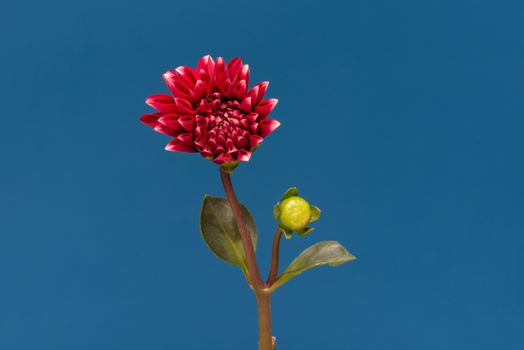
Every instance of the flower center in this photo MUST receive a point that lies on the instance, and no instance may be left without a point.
(224, 127)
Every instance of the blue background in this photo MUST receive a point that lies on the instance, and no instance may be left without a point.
(401, 120)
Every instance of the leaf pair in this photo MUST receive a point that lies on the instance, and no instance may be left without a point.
(220, 232)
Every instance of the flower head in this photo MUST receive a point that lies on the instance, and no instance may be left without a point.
(211, 111)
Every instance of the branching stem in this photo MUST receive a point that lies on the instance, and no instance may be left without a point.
(259, 287)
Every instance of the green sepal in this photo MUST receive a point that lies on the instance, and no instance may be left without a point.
(276, 211)
(220, 232)
(287, 232)
(230, 166)
(305, 231)
(324, 253)
(293, 191)
(315, 213)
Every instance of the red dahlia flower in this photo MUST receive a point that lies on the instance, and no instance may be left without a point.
(212, 112)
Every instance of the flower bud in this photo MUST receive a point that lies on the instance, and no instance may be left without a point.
(295, 213)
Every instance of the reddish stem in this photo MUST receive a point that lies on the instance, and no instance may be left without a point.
(273, 271)
(263, 297)
(254, 274)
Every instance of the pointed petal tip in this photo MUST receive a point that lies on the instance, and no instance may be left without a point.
(150, 119)
(267, 126)
(168, 74)
(162, 103)
(266, 106)
(177, 145)
(244, 155)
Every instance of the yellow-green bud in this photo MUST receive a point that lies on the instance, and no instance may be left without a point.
(295, 213)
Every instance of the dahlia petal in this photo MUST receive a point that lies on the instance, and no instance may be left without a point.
(245, 105)
(206, 153)
(161, 128)
(242, 142)
(231, 149)
(180, 91)
(240, 89)
(254, 140)
(178, 146)
(268, 125)
(233, 67)
(206, 64)
(253, 93)
(244, 155)
(262, 88)
(184, 106)
(221, 140)
(188, 74)
(265, 107)
(162, 102)
(187, 138)
(227, 88)
(199, 143)
(169, 78)
(150, 119)
(212, 144)
(244, 123)
(187, 122)
(244, 73)
(252, 117)
(223, 158)
(219, 73)
(203, 107)
(198, 131)
(182, 84)
(205, 76)
(200, 90)
(257, 92)
(171, 121)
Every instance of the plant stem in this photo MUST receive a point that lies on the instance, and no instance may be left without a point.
(252, 267)
(273, 271)
(265, 341)
(259, 287)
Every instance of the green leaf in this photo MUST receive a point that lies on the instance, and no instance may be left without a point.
(220, 232)
(315, 213)
(324, 253)
(293, 191)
